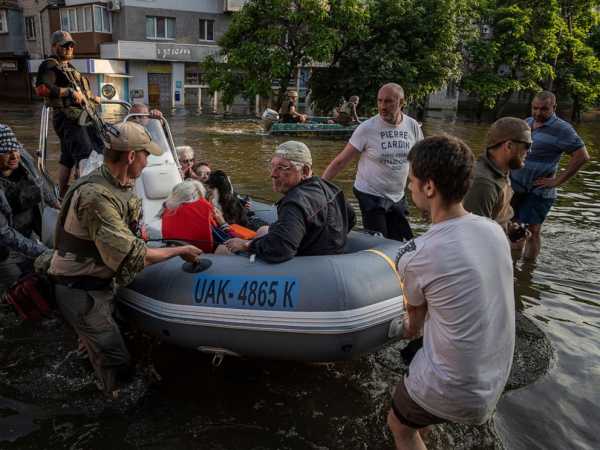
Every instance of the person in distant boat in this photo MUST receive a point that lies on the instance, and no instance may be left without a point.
(507, 143)
(346, 114)
(381, 145)
(289, 110)
(98, 244)
(313, 217)
(458, 287)
(535, 184)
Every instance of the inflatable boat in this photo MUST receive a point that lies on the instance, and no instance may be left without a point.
(311, 308)
(315, 126)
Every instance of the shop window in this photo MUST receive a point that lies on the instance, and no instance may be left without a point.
(3, 22)
(207, 30)
(30, 28)
(102, 19)
(160, 27)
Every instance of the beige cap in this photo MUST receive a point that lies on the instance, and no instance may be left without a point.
(292, 94)
(295, 151)
(508, 129)
(61, 37)
(133, 137)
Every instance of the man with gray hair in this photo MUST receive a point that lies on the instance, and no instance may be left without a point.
(313, 217)
(382, 144)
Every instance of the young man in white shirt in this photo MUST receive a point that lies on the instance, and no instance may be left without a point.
(458, 284)
(382, 144)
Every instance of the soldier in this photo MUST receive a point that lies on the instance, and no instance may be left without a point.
(97, 244)
(21, 195)
(69, 94)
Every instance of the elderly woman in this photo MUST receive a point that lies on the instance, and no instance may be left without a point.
(188, 216)
(186, 157)
(21, 196)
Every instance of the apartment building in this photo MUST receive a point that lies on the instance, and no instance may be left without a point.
(13, 53)
(163, 43)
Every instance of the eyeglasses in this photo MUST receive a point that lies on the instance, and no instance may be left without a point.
(187, 161)
(282, 168)
(526, 144)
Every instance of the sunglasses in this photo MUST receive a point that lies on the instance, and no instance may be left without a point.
(186, 161)
(68, 45)
(526, 144)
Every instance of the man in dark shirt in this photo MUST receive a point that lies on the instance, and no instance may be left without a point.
(313, 217)
(66, 90)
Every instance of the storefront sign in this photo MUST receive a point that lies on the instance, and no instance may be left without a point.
(178, 52)
(8, 66)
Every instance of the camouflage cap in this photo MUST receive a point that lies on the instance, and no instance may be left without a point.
(508, 129)
(61, 37)
(294, 151)
(133, 137)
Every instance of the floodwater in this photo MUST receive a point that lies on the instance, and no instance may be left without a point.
(48, 400)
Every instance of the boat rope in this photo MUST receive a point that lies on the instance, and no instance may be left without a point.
(390, 263)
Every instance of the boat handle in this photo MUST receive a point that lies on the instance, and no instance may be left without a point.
(199, 265)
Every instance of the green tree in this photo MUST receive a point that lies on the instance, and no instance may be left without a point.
(514, 52)
(415, 43)
(269, 39)
(577, 66)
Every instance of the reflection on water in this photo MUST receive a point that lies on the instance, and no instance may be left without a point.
(253, 404)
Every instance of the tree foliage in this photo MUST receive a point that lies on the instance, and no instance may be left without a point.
(415, 43)
(269, 39)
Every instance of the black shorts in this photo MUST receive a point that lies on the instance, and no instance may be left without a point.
(410, 413)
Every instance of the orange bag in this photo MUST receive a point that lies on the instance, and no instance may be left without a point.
(241, 232)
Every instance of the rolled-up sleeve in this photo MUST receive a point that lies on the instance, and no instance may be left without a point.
(120, 249)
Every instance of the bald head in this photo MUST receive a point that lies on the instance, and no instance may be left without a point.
(139, 108)
(390, 100)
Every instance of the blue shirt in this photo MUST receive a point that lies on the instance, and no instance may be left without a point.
(550, 141)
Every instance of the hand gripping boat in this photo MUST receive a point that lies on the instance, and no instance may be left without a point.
(311, 308)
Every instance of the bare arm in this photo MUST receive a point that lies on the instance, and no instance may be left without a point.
(416, 319)
(340, 162)
(578, 158)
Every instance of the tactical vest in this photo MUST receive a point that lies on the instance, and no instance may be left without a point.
(128, 204)
(75, 78)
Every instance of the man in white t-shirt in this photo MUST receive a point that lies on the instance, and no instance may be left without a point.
(382, 143)
(458, 283)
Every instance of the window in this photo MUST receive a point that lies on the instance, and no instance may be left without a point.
(3, 23)
(160, 27)
(77, 20)
(207, 30)
(30, 28)
(102, 19)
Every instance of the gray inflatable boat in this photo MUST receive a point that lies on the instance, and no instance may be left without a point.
(311, 308)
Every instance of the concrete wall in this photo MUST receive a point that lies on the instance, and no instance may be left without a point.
(129, 24)
(13, 42)
(178, 77)
(210, 6)
(137, 69)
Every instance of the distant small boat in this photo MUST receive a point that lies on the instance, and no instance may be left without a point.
(317, 126)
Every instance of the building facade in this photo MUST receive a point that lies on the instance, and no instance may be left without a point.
(14, 80)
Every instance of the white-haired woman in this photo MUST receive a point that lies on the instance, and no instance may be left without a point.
(186, 157)
(188, 216)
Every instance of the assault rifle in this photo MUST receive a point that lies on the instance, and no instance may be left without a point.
(103, 129)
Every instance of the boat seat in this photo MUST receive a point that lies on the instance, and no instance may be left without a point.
(159, 181)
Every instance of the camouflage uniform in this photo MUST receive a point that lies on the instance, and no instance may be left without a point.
(96, 243)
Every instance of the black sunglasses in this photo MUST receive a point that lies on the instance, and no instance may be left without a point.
(526, 144)
(68, 45)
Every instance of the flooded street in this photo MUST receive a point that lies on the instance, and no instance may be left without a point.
(48, 398)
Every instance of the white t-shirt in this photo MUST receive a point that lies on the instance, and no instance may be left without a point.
(383, 167)
(462, 269)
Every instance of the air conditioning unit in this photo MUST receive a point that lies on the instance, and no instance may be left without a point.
(114, 5)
